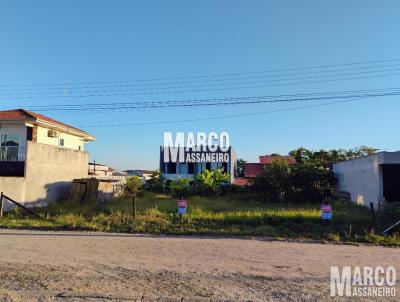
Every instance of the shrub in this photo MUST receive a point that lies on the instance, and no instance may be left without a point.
(133, 185)
(155, 183)
(181, 187)
(211, 182)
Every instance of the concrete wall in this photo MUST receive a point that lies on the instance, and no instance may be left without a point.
(49, 171)
(362, 177)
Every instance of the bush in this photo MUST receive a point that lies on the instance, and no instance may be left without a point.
(211, 182)
(133, 185)
(302, 183)
(181, 187)
(156, 183)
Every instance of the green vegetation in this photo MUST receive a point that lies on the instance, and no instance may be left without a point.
(223, 215)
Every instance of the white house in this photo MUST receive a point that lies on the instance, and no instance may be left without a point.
(39, 156)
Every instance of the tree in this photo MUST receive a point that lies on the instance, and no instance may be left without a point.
(156, 182)
(240, 167)
(210, 182)
(181, 187)
(274, 184)
(133, 185)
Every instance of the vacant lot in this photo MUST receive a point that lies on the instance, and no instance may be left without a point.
(226, 215)
(78, 266)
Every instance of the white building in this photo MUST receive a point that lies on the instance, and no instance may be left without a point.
(371, 178)
(100, 169)
(39, 156)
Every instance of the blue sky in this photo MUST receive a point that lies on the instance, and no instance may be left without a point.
(87, 41)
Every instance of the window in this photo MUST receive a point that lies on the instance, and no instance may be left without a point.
(61, 142)
(225, 167)
(190, 168)
(9, 145)
(29, 133)
(208, 166)
(171, 168)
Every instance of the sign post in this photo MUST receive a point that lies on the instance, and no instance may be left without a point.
(182, 208)
(326, 212)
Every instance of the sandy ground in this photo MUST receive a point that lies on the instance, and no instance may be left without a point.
(62, 266)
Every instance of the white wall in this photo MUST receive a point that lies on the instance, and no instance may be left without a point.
(49, 171)
(70, 141)
(362, 177)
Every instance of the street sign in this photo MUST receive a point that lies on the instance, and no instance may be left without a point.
(326, 212)
(182, 207)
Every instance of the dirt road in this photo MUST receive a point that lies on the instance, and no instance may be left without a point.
(47, 266)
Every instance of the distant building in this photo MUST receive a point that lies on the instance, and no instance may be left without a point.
(145, 174)
(253, 170)
(100, 169)
(39, 156)
(371, 178)
(189, 169)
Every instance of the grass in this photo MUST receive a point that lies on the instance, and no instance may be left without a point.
(228, 215)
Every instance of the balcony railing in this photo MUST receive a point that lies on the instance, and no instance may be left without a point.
(12, 161)
(12, 154)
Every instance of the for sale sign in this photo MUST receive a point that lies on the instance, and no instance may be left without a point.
(182, 206)
(326, 212)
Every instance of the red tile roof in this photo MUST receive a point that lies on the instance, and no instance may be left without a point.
(241, 181)
(25, 115)
(269, 159)
(252, 170)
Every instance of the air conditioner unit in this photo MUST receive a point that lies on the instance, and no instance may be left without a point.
(52, 133)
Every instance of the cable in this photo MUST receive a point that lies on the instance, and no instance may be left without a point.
(226, 103)
(222, 116)
(62, 89)
(218, 101)
(203, 76)
(204, 85)
(213, 89)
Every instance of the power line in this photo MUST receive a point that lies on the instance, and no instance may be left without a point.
(229, 103)
(203, 76)
(217, 101)
(225, 116)
(214, 101)
(62, 93)
(39, 90)
(213, 89)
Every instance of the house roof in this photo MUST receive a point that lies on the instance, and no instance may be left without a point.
(269, 159)
(252, 170)
(25, 115)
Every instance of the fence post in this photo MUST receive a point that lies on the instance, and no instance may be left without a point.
(1, 205)
(134, 205)
(373, 215)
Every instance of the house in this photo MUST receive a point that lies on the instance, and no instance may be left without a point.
(100, 169)
(144, 174)
(253, 170)
(371, 178)
(196, 162)
(39, 156)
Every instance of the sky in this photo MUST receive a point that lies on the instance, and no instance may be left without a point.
(67, 51)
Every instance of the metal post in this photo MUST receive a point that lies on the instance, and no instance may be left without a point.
(134, 205)
(1, 205)
(373, 215)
